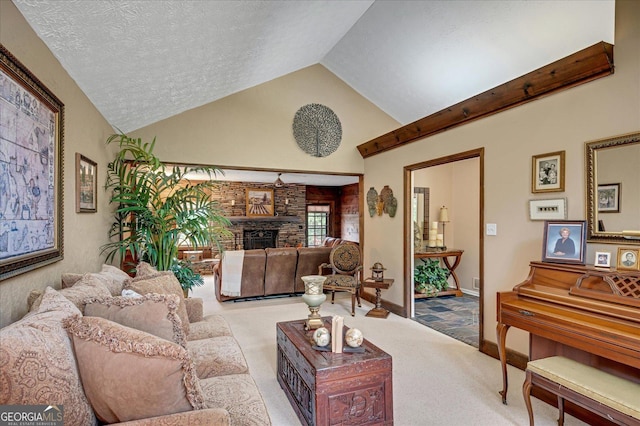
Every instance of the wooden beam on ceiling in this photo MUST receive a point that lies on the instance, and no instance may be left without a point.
(581, 67)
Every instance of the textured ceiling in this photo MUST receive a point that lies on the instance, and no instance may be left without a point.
(143, 61)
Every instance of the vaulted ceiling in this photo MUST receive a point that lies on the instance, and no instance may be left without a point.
(143, 61)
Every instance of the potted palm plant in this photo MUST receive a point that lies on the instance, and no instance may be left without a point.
(430, 278)
(159, 209)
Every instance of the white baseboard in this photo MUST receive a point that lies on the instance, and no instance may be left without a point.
(471, 292)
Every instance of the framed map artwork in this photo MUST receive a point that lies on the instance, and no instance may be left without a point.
(31, 148)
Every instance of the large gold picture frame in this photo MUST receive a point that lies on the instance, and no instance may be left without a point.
(31, 170)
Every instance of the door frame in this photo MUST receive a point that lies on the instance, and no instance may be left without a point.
(408, 234)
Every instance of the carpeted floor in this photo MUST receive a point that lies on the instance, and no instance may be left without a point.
(437, 380)
(454, 316)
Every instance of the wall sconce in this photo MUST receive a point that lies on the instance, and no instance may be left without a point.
(444, 218)
(286, 201)
(233, 203)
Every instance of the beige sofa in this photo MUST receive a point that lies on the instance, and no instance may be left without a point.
(148, 359)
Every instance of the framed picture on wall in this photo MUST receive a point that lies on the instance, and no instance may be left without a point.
(259, 202)
(564, 241)
(547, 172)
(609, 198)
(548, 209)
(32, 139)
(86, 185)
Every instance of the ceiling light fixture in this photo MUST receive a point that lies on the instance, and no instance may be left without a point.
(278, 183)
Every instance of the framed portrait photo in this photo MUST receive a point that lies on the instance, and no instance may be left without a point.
(259, 202)
(86, 185)
(602, 259)
(547, 172)
(31, 229)
(564, 241)
(628, 259)
(609, 198)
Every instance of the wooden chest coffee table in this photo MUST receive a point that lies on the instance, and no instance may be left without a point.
(325, 388)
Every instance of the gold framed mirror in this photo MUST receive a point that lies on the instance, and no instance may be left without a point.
(613, 190)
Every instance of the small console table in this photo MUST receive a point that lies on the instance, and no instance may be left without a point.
(445, 256)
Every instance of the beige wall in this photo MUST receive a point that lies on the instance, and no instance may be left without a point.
(252, 128)
(85, 132)
(464, 216)
(565, 121)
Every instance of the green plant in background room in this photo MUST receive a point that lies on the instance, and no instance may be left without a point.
(159, 209)
(430, 278)
(186, 276)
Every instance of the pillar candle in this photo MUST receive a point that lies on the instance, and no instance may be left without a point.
(434, 225)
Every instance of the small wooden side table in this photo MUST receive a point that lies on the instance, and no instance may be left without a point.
(204, 266)
(378, 311)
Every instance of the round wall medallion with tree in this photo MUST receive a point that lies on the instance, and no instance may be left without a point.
(317, 130)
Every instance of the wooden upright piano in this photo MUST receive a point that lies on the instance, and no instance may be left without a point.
(580, 312)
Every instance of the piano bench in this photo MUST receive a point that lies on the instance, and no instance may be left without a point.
(609, 396)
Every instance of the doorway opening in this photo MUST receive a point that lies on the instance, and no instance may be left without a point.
(454, 185)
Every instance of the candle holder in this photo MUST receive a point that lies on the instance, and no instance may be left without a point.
(314, 297)
(444, 219)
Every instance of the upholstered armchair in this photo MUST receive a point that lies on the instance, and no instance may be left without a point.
(345, 263)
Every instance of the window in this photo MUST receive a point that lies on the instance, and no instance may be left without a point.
(317, 224)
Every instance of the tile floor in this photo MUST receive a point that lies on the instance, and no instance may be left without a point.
(454, 316)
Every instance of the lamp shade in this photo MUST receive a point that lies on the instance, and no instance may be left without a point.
(444, 214)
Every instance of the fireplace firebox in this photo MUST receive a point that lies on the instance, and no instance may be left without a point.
(259, 239)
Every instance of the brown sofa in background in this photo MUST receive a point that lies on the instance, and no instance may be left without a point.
(276, 271)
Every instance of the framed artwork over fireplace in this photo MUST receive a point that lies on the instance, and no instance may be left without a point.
(260, 202)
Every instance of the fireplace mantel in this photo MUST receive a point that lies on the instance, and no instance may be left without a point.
(239, 219)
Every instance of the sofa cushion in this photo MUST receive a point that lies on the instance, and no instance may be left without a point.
(210, 326)
(161, 283)
(217, 356)
(144, 269)
(280, 270)
(309, 259)
(128, 374)
(112, 277)
(87, 286)
(37, 363)
(153, 313)
(239, 395)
